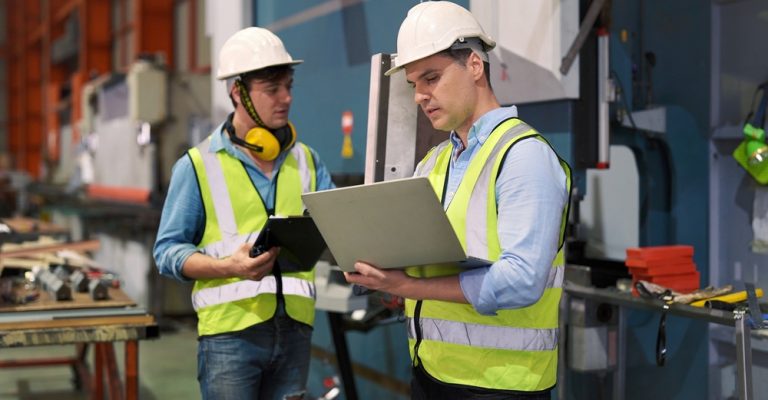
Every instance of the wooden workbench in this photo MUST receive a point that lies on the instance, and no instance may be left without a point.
(82, 322)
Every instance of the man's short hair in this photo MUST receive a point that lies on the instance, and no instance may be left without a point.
(269, 74)
(462, 55)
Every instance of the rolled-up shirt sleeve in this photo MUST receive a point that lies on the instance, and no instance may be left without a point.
(531, 192)
(324, 181)
(182, 221)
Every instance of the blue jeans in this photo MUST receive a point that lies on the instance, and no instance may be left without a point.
(266, 361)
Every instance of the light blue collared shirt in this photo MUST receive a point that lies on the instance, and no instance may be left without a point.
(183, 218)
(531, 192)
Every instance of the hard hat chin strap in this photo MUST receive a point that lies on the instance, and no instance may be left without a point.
(245, 100)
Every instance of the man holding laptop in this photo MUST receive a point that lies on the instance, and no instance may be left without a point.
(489, 331)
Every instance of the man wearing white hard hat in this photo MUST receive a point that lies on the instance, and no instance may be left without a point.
(254, 320)
(489, 332)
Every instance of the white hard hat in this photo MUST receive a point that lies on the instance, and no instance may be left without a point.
(432, 27)
(251, 49)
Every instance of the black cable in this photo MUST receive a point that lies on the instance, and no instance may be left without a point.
(661, 338)
(624, 99)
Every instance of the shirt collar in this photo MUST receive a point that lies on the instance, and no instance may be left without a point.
(220, 141)
(482, 128)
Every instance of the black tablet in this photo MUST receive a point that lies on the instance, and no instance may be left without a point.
(301, 244)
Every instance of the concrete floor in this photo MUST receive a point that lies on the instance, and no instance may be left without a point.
(167, 369)
(168, 366)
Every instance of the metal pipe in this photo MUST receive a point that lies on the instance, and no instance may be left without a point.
(743, 357)
(586, 26)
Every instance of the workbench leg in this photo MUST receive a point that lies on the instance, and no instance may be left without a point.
(97, 390)
(80, 368)
(342, 355)
(113, 375)
(743, 359)
(132, 370)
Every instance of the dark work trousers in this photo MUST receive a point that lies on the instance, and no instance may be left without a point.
(425, 387)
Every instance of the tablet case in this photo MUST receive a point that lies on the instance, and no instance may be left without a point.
(301, 244)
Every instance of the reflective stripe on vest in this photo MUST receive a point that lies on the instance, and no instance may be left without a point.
(235, 213)
(230, 240)
(517, 348)
(244, 289)
(476, 335)
(499, 337)
(224, 248)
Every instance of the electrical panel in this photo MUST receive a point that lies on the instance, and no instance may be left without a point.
(147, 92)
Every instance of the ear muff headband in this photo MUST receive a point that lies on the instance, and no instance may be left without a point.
(264, 143)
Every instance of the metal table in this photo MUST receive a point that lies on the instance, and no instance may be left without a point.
(625, 300)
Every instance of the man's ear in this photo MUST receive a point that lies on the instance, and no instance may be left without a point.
(475, 65)
(234, 94)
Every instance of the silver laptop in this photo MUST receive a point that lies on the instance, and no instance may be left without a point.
(390, 224)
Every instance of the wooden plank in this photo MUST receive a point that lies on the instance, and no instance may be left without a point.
(62, 257)
(117, 298)
(86, 245)
(30, 225)
(79, 334)
(24, 263)
(79, 322)
(45, 260)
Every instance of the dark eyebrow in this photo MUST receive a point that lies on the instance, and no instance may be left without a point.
(273, 84)
(423, 74)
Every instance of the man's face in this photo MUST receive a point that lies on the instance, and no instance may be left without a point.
(444, 89)
(272, 100)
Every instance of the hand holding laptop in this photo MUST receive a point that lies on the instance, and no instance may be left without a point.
(368, 278)
(391, 224)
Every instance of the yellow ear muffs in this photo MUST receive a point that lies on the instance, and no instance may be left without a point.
(270, 144)
(263, 143)
(264, 139)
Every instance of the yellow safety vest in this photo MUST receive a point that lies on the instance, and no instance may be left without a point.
(235, 213)
(515, 349)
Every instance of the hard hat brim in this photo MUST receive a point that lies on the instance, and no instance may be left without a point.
(488, 44)
(393, 70)
(233, 74)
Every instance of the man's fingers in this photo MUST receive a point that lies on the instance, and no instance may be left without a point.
(352, 277)
(260, 272)
(362, 268)
(267, 256)
(369, 271)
